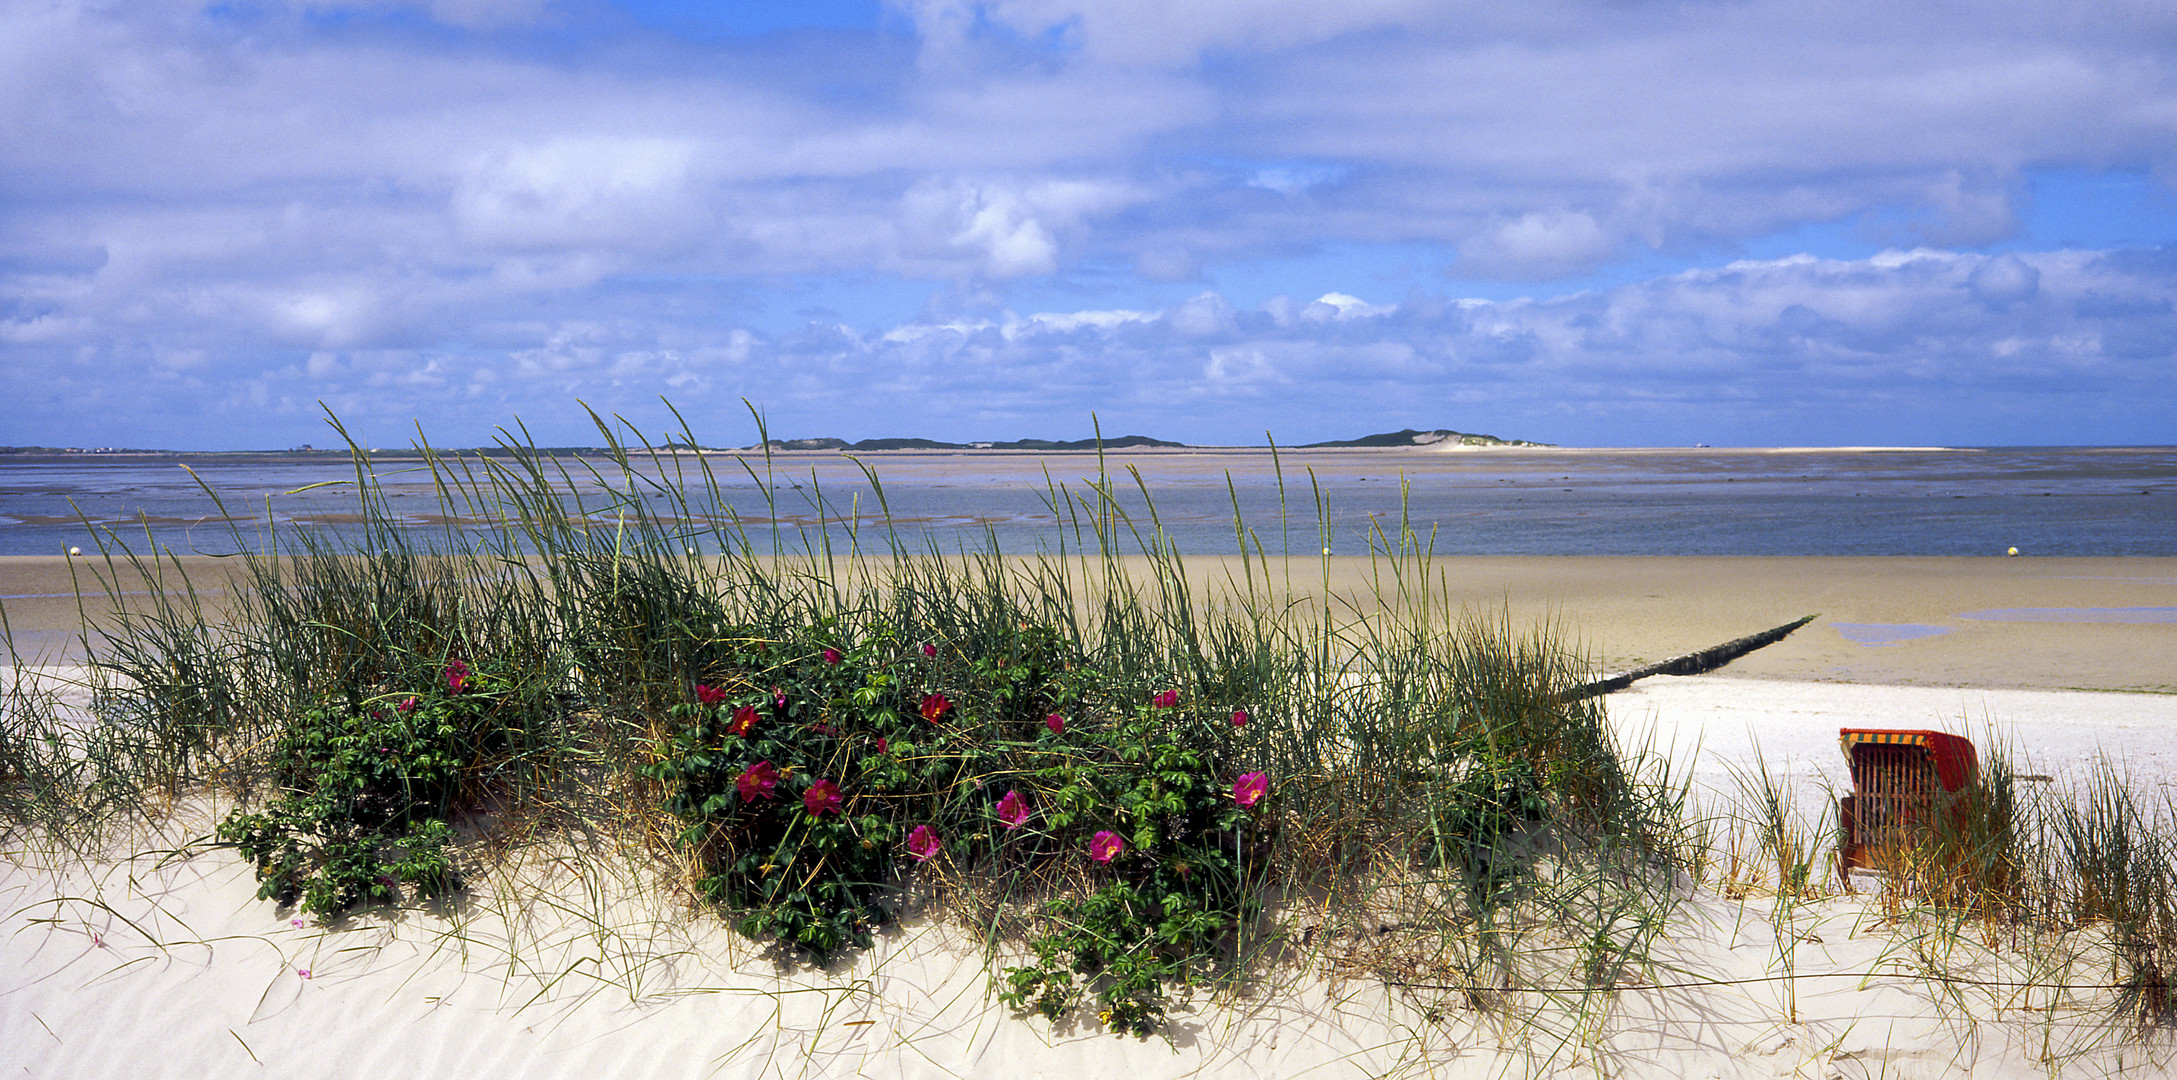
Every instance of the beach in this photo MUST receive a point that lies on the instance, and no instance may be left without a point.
(165, 964)
(2029, 623)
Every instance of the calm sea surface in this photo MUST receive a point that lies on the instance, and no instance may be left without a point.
(2060, 501)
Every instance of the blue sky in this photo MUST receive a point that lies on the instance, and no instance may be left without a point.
(1591, 222)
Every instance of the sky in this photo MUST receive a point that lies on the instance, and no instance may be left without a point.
(1584, 222)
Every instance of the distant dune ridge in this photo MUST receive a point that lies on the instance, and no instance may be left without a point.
(1407, 437)
(1440, 437)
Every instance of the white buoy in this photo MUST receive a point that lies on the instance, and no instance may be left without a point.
(2014, 553)
(75, 551)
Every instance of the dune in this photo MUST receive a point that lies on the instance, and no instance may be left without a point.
(155, 958)
(159, 961)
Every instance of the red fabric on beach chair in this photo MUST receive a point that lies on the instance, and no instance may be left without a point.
(1895, 777)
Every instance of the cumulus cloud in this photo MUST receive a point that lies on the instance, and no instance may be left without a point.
(1535, 141)
(2003, 280)
(1007, 230)
(1760, 350)
(1204, 315)
(623, 193)
(1910, 346)
(219, 209)
(1536, 246)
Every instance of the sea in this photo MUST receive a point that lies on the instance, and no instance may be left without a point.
(2093, 501)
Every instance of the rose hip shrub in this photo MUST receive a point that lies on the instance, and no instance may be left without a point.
(809, 775)
(1149, 803)
(365, 786)
(783, 773)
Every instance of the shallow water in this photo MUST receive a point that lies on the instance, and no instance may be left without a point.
(2043, 501)
(2077, 614)
(1886, 633)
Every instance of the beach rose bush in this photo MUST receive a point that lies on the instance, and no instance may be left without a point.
(813, 775)
(364, 787)
(777, 768)
(1143, 809)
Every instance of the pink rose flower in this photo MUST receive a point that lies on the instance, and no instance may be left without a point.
(1167, 699)
(929, 650)
(708, 694)
(1239, 718)
(1106, 846)
(922, 843)
(1056, 723)
(822, 798)
(744, 721)
(831, 656)
(935, 706)
(457, 676)
(1250, 788)
(759, 781)
(1013, 810)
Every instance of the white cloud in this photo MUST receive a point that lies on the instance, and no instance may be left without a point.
(1205, 315)
(1239, 365)
(2004, 280)
(1920, 343)
(1538, 141)
(466, 209)
(1336, 305)
(1014, 244)
(1063, 321)
(1536, 245)
(1147, 32)
(626, 192)
(1167, 264)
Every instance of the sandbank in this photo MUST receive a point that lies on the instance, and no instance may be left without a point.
(1927, 621)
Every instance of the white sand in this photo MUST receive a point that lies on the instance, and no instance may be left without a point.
(160, 967)
(1722, 728)
(165, 965)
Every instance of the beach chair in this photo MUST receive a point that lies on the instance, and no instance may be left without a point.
(1896, 776)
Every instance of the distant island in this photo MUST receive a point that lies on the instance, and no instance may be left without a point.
(1390, 439)
(1410, 437)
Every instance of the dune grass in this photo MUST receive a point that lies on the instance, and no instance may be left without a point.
(1130, 782)
(2050, 896)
